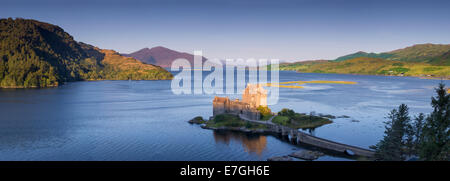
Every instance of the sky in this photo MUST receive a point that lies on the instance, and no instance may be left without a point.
(282, 29)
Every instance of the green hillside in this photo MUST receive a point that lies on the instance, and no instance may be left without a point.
(371, 66)
(363, 54)
(37, 54)
(435, 54)
(299, 65)
(444, 59)
(429, 53)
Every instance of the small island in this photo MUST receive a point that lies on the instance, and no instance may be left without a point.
(252, 115)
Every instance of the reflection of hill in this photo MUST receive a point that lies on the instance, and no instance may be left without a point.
(251, 144)
(31, 123)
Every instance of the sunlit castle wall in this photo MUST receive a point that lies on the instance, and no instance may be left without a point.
(253, 97)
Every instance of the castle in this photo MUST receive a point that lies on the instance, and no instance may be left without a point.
(254, 96)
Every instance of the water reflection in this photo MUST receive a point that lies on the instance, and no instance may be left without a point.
(33, 118)
(144, 120)
(255, 144)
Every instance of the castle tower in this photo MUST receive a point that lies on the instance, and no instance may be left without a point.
(220, 105)
(255, 95)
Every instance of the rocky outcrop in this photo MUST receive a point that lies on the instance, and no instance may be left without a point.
(280, 158)
(197, 120)
(307, 155)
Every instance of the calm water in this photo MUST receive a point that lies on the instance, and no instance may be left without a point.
(144, 120)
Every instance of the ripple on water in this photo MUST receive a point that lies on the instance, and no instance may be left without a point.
(144, 120)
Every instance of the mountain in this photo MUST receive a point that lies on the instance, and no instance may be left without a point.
(161, 56)
(38, 54)
(428, 53)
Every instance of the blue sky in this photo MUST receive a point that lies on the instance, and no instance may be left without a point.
(283, 29)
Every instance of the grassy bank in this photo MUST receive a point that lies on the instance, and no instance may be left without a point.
(301, 121)
(232, 121)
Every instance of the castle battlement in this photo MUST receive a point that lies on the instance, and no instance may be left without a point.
(254, 96)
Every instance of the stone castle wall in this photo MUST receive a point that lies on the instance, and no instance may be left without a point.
(253, 97)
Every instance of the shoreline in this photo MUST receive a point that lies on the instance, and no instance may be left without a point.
(415, 76)
(52, 86)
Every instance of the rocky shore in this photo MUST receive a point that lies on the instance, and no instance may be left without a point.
(230, 123)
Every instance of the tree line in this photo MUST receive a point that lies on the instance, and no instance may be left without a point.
(37, 54)
(423, 137)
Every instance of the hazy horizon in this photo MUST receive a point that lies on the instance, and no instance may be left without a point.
(287, 30)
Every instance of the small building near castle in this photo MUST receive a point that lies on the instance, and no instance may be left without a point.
(254, 96)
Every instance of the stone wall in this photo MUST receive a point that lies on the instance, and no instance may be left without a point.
(253, 97)
(223, 105)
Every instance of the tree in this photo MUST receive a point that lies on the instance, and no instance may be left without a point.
(287, 112)
(36, 54)
(394, 146)
(417, 128)
(436, 136)
(264, 111)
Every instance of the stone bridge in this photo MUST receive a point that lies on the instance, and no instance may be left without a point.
(296, 136)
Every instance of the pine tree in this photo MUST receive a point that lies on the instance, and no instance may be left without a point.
(436, 136)
(417, 131)
(394, 146)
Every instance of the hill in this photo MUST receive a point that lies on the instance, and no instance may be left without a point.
(372, 66)
(300, 65)
(435, 54)
(118, 67)
(429, 53)
(444, 59)
(37, 54)
(363, 54)
(161, 56)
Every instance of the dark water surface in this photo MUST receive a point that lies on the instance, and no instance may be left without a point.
(144, 120)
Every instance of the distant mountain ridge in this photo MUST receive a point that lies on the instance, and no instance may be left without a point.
(428, 53)
(161, 56)
(423, 60)
(363, 54)
(435, 54)
(371, 66)
(38, 54)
